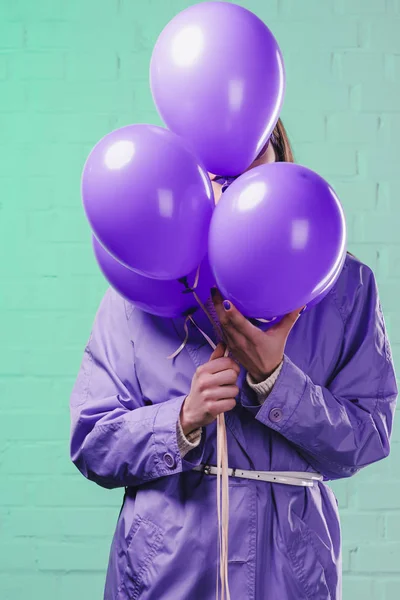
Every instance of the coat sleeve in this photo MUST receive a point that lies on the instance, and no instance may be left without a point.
(343, 427)
(116, 440)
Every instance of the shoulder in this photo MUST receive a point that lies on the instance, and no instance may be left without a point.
(355, 284)
(116, 304)
(113, 308)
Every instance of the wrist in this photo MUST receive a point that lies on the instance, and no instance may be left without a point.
(186, 426)
(263, 374)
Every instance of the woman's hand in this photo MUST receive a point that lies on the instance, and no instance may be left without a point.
(260, 352)
(213, 391)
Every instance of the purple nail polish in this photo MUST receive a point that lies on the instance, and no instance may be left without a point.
(227, 304)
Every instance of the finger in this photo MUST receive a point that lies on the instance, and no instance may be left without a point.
(224, 405)
(219, 351)
(288, 321)
(228, 377)
(225, 391)
(221, 364)
(230, 317)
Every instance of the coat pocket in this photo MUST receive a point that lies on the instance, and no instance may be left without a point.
(143, 543)
(311, 562)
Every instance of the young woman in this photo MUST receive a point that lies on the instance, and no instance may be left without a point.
(315, 399)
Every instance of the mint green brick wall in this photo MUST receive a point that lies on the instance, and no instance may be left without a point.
(72, 70)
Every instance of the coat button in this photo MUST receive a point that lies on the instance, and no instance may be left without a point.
(276, 415)
(169, 460)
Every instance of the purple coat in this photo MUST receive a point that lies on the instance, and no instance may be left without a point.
(336, 397)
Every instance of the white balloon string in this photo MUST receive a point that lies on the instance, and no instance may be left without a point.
(181, 347)
(222, 459)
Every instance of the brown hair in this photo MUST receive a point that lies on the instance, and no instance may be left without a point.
(281, 143)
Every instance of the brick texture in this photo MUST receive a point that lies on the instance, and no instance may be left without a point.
(72, 70)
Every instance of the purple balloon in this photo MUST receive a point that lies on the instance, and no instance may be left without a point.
(277, 238)
(148, 201)
(162, 298)
(218, 80)
(329, 285)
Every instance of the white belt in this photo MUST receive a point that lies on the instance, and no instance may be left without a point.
(305, 479)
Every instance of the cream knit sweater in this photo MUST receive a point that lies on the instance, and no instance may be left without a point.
(262, 389)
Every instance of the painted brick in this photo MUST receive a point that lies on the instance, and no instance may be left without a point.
(393, 260)
(70, 97)
(72, 10)
(3, 67)
(72, 557)
(60, 260)
(334, 97)
(378, 162)
(391, 588)
(13, 362)
(47, 457)
(12, 36)
(356, 193)
(79, 581)
(12, 96)
(384, 34)
(341, 491)
(294, 9)
(84, 35)
(70, 73)
(134, 66)
(338, 159)
(371, 98)
(56, 226)
(51, 294)
(91, 66)
(305, 65)
(38, 160)
(265, 10)
(60, 521)
(40, 585)
(356, 587)
(50, 393)
(20, 555)
(394, 329)
(36, 65)
(358, 66)
(388, 134)
(372, 497)
(20, 10)
(383, 558)
(376, 227)
(352, 128)
(362, 527)
(62, 361)
(304, 127)
(341, 33)
(392, 67)
(348, 550)
(56, 490)
(392, 527)
(29, 426)
(361, 7)
(51, 128)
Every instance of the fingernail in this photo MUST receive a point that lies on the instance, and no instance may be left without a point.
(227, 304)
